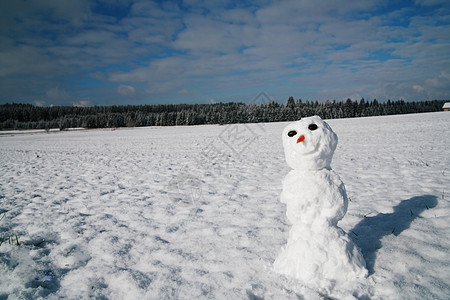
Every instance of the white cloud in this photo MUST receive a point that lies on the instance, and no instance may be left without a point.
(430, 2)
(81, 103)
(126, 90)
(58, 95)
(183, 91)
(204, 35)
(418, 88)
(24, 59)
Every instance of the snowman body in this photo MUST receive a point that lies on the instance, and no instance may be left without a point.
(318, 252)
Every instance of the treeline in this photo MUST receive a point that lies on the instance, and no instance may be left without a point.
(27, 116)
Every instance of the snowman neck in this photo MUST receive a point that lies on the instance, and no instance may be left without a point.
(308, 164)
(303, 170)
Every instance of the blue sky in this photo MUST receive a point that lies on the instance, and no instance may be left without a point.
(105, 52)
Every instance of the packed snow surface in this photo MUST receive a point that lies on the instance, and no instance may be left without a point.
(194, 212)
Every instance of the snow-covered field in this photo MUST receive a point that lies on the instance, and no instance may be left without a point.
(194, 212)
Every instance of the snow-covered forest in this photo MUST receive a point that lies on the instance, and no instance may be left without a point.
(262, 109)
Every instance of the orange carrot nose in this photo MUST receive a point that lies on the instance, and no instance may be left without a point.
(301, 139)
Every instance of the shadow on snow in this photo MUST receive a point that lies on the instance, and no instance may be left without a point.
(368, 233)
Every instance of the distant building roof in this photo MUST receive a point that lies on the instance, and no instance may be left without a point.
(446, 105)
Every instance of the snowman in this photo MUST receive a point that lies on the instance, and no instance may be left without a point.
(318, 253)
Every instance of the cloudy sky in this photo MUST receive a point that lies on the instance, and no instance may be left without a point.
(103, 52)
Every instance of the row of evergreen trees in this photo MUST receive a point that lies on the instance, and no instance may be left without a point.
(27, 116)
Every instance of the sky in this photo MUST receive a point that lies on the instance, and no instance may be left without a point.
(111, 52)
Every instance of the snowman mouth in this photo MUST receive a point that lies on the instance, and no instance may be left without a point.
(304, 147)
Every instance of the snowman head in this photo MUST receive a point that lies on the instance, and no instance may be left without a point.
(309, 144)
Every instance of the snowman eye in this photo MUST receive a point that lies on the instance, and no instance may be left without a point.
(292, 133)
(312, 127)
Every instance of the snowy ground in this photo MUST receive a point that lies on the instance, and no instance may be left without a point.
(194, 212)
